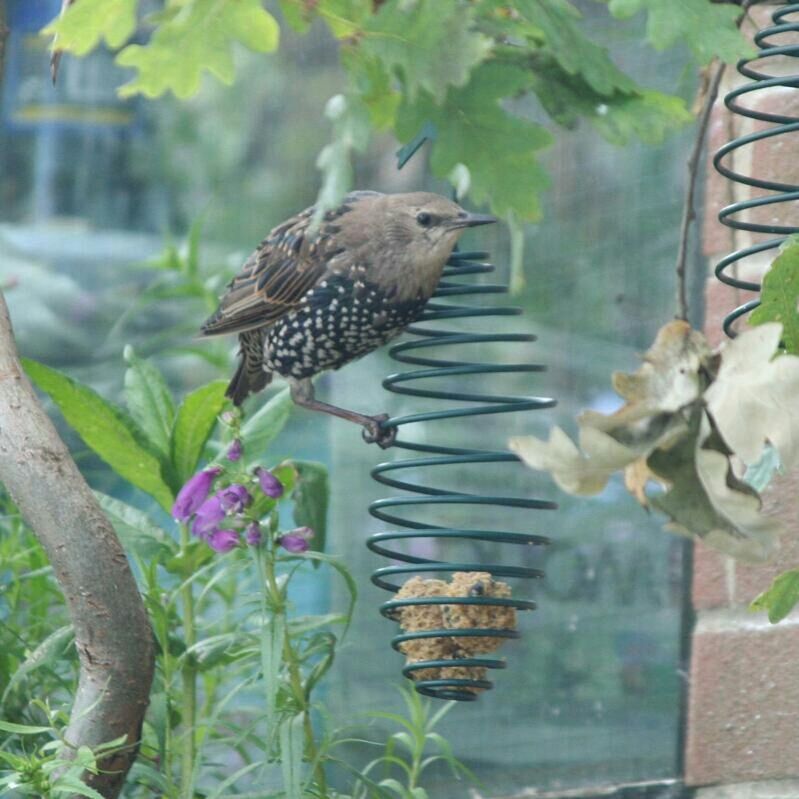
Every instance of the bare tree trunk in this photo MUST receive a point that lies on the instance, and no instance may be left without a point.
(112, 633)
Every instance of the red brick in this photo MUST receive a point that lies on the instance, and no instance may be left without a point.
(713, 579)
(717, 239)
(743, 699)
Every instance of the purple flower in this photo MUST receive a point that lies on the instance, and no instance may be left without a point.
(223, 540)
(234, 498)
(253, 534)
(193, 493)
(208, 515)
(297, 540)
(235, 451)
(270, 485)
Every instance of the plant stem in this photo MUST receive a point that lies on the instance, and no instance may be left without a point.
(293, 667)
(189, 675)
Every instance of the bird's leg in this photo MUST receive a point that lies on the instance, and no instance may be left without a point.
(302, 392)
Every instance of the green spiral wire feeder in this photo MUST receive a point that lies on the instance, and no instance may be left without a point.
(733, 215)
(417, 352)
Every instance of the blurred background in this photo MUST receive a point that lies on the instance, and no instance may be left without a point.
(100, 199)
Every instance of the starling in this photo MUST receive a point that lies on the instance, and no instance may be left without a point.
(309, 301)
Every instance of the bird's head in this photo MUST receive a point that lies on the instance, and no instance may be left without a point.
(426, 226)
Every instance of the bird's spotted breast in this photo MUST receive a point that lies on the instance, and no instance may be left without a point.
(340, 319)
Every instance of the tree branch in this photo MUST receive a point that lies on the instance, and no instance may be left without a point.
(112, 633)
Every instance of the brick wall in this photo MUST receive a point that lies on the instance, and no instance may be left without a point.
(743, 714)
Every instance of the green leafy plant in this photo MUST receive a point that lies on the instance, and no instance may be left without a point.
(445, 67)
(237, 667)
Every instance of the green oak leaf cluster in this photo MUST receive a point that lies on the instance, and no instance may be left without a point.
(455, 68)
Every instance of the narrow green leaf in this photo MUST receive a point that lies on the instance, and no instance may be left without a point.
(136, 531)
(311, 496)
(149, 400)
(291, 752)
(105, 429)
(340, 567)
(194, 423)
(22, 729)
(779, 296)
(780, 598)
(47, 653)
(272, 638)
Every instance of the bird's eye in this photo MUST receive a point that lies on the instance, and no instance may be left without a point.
(424, 219)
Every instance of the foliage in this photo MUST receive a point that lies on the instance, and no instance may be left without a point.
(45, 771)
(680, 427)
(448, 66)
(237, 667)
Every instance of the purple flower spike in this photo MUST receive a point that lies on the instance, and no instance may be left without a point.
(223, 540)
(296, 541)
(209, 514)
(270, 485)
(234, 498)
(235, 451)
(193, 493)
(253, 534)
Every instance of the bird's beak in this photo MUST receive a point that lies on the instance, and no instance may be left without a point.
(471, 220)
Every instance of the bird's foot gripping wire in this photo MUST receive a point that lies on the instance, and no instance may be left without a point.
(374, 431)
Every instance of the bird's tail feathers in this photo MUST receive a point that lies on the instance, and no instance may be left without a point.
(248, 379)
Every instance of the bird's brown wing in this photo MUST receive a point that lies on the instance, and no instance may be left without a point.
(272, 281)
(276, 277)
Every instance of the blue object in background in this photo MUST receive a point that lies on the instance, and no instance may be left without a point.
(85, 95)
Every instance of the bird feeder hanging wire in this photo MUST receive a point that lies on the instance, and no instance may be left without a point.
(416, 352)
(734, 215)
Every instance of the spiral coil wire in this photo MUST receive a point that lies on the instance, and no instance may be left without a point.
(416, 352)
(732, 214)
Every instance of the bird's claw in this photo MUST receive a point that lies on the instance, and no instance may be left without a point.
(375, 433)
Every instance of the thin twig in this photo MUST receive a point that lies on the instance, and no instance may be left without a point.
(55, 55)
(4, 31)
(688, 212)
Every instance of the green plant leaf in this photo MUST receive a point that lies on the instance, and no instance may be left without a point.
(262, 427)
(430, 44)
(135, 530)
(105, 429)
(149, 400)
(345, 18)
(576, 54)
(311, 496)
(202, 32)
(498, 149)
(780, 597)
(22, 729)
(194, 423)
(779, 296)
(291, 753)
(47, 653)
(708, 29)
(86, 22)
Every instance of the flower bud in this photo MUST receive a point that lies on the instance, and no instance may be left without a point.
(297, 540)
(270, 485)
(223, 540)
(253, 534)
(193, 493)
(235, 450)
